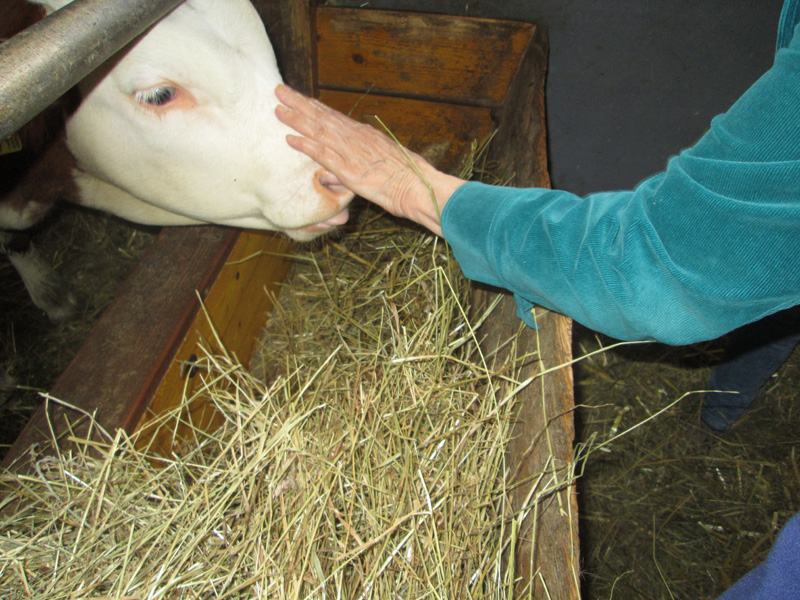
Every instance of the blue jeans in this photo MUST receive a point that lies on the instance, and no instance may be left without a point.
(778, 577)
(755, 353)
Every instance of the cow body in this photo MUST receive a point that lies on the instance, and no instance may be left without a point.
(177, 129)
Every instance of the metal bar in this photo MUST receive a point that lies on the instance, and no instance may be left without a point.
(40, 64)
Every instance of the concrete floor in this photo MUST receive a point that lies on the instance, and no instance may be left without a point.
(631, 83)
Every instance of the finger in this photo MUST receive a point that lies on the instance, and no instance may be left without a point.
(289, 117)
(295, 106)
(302, 124)
(287, 95)
(313, 109)
(290, 97)
(320, 124)
(320, 154)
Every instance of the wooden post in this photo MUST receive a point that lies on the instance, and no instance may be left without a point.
(290, 25)
(543, 436)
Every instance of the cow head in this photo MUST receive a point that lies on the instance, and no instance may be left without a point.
(183, 119)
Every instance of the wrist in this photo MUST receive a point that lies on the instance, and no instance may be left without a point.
(442, 187)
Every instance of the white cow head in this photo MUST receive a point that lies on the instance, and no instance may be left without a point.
(183, 120)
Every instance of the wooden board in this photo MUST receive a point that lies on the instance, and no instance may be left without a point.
(416, 55)
(132, 348)
(441, 132)
(543, 436)
(119, 364)
(290, 25)
(433, 81)
(235, 310)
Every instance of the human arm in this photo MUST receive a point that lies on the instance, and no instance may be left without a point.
(708, 245)
(366, 161)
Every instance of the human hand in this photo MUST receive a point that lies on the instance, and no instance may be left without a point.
(366, 161)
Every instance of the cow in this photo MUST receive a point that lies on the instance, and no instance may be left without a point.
(178, 128)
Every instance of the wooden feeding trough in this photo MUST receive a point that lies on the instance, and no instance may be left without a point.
(438, 83)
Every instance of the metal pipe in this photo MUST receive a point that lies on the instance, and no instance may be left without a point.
(41, 63)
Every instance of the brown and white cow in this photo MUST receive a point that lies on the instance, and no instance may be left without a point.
(177, 129)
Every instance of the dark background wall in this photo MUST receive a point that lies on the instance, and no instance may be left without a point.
(631, 82)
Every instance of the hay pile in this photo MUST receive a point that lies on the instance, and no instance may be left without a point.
(365, 461)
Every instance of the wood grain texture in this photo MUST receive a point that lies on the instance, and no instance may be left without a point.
(543, 436)
(541, 445)
(442, 133)
(120, 363)
(236, 309)
(290, 26)
(430, 57)
(522, 130)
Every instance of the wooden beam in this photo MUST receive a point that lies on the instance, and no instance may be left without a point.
(423, 56)
(543, 435)
(127, 351)
(290, 25)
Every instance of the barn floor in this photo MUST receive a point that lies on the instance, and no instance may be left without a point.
(95, 253)
(663, 514)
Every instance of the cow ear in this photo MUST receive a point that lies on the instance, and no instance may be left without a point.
(51, 5)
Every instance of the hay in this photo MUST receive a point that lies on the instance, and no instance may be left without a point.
(663, 516)
(366, 459)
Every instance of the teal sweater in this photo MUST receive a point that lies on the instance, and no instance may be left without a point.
(708, 245)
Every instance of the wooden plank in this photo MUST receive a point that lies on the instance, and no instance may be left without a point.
(442, 133)
(541, 444)
(543, 435)
(521, 140)
(123, 358)
(431, 57)
(132, 357)
(237, 307)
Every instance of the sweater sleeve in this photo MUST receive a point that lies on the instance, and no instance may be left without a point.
(708, 245)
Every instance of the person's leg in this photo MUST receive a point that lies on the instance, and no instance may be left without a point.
(778, 577)
(754, 354)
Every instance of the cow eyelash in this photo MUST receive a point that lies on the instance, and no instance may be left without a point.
(158, 96)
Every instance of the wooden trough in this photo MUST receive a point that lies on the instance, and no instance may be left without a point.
(439, 83)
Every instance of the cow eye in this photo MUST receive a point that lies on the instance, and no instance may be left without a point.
(158, 96)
